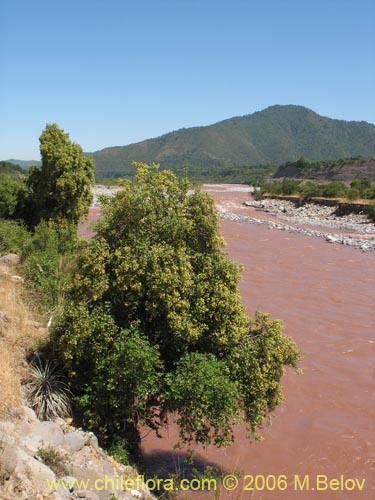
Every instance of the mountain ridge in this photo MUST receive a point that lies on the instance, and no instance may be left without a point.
(235, 147)
(268, 137)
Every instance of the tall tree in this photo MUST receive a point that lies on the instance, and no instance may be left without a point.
(60, 187)
(155, 322)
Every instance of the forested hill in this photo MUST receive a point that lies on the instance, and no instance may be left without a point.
(269, 137)
(11, 170)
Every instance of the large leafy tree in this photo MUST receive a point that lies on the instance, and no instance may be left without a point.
(60, 187)
(154, 323)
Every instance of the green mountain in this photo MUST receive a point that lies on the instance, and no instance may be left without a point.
(269, 137)
(24, 163)
(11, 170)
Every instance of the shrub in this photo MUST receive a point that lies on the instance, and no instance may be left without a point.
(14, 237)
(310, 189)
(353, 194)
(371, 211)
(11, 191)
(54, 460)
(47, 393)
(50, 254)
(335, 190)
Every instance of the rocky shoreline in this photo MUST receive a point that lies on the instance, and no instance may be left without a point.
(99, 190)
(312, 215)
(51, 460)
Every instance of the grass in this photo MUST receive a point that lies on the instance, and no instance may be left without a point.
(17, 338)
(54, 460)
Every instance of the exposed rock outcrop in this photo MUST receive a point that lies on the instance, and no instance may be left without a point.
(53, 460)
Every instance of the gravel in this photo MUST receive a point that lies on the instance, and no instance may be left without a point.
(314, 215)
(359, 243)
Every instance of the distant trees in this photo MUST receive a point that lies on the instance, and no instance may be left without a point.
(154, 322)
(60, 187)
(358, 189)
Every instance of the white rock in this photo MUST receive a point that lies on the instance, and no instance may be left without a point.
(11, 259)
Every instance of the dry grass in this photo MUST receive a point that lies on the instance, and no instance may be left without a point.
(18, 336)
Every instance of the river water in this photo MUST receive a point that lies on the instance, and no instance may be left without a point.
(325, 296)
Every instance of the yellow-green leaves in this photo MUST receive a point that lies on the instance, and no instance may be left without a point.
(60, 188)
(157, 324)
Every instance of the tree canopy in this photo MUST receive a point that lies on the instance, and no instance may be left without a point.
(60, 187)
(154, 322)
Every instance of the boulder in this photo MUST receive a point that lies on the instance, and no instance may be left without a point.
(42, 435)
(28, 467)
(74, 441)
(8, 457)
(11, 259)
(17, 279)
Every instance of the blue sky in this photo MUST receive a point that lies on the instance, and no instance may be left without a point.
(115, 72)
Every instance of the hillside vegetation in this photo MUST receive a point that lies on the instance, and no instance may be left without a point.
(339, 170)
(276, 134)
(11, 170)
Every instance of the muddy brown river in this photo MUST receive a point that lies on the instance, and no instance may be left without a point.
(321, 438)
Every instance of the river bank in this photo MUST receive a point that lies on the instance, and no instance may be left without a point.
(353, 230)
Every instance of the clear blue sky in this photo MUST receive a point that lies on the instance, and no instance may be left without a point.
(115, 72)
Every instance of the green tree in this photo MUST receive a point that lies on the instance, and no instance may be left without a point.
(11, 192)
(155, 324)
(60, 187)
(310, 189)
(335, 190)
(289, 186)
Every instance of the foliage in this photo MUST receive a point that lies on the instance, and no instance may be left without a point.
(371, 211)
(49, 255)
(358, 189)
(311, 189)
(54, 460)
(335, 190)
(60, 187)
(12, 192)
(154, 321)
(276, 134)
(206, 398)
(14, 237)
(119, 452)
(47, 393)
(11, 170)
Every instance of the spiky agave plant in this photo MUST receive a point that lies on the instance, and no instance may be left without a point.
(47, 393)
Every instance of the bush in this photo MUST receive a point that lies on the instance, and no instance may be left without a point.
(371, 211)
(353, 194)
(14, 238)
(11, 192)
(289, 186)
(310, 190)
(51, 251)
(54, 460)
(335, 190)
